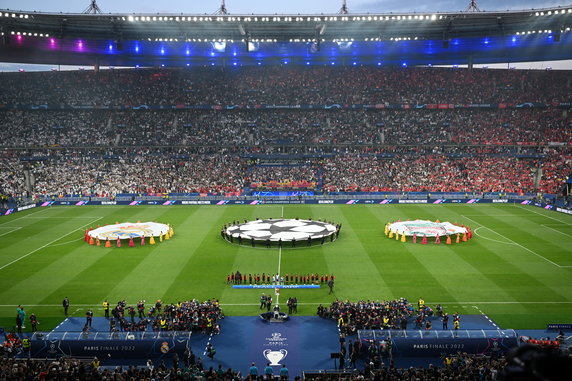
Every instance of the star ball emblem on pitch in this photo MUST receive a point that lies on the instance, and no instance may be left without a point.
(281, 229)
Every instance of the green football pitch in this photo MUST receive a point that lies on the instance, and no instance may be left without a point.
(517, 269)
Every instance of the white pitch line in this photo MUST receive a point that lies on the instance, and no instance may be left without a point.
(557, 231)
(27, 215)
(490, 239)
(279, 263)
(11, 231)
(542, 214)
(48, 244)
(64, 243)
(279, 259)
(208, 342)
(282, 214)
(486, 317)
(498, 215)
(68, 218)
(519, 245)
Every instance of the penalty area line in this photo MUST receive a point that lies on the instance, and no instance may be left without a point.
(529, 208)
(25, 216)
(14, 228)
(48, 244)
(556, 230)
(519, 245)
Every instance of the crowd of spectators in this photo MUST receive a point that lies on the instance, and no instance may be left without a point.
(459, 366)
(229, 174)
(137, 174)
(440, 173)
(104, 152)
(136, 128)
(285, 85)
(65, 369)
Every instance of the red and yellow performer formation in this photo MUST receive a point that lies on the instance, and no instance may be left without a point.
(427, 229)
(128, 231)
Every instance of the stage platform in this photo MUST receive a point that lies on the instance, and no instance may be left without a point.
(302, 343)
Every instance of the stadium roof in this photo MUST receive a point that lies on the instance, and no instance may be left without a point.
(184, 39)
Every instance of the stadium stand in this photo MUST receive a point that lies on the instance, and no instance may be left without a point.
(65, 149)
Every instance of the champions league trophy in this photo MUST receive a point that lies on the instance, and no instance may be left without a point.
(275, 356)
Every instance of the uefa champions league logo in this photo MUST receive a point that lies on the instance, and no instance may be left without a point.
(274, 357)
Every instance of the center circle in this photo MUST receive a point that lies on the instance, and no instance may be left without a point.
(285, 230)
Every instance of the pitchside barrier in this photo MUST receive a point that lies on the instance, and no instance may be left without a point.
(316, 200)
(151, 345)
(419, 343)
(364, 200)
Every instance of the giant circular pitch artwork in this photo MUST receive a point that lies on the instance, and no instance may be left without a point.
(280, 230)
(423, 229)
(129, 231)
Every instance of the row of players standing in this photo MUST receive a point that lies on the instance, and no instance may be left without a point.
(239, 278)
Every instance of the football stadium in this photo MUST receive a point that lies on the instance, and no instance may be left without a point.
(334, 196)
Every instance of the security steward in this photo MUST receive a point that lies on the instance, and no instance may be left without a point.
(106, 308)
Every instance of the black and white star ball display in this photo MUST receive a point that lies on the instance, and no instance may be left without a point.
(285, 229)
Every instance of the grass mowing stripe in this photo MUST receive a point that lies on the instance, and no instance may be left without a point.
(151, 276)
(117, 261)
(26, 214)
(519, 245)
(545, 215)
(492, 274)
(557, 231)
(14, 228)
(456, 261)
(47, 244)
